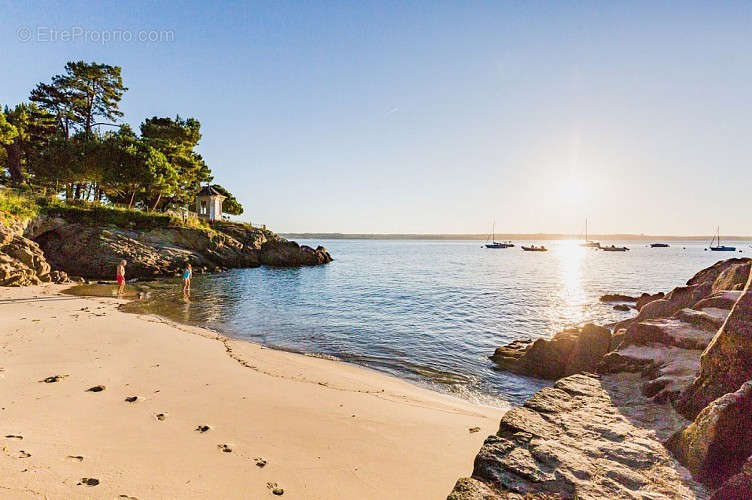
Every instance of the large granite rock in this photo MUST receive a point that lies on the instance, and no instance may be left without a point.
(719, 441)
(710, 274)
(738, 487)
(573, 441)
(726, 363)
(734, 277)
(677, 299)
(93, 251)
(21, 260)
(568, 352)
(647, 298)
(289, 253)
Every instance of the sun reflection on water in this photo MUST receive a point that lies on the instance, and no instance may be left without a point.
(572, 298)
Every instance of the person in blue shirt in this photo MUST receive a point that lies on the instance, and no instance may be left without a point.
(187, 275)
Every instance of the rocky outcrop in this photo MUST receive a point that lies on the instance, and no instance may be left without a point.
(568, 352)
(727, 362)
(689, 350)
(711, 274)
(738, 487)
(719, 441)
(289, 253)
(573, 440)
(646, 298)
(617, 297)
(93, 251)
(21, 260)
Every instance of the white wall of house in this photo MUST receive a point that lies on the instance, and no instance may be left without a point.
(210, 208)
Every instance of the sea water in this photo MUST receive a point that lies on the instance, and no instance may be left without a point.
(431, 311)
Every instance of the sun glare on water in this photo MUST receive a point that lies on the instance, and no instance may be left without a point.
(571, 298)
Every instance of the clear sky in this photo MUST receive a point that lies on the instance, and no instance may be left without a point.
(434, 117)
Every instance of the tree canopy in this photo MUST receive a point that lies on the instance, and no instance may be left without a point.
(55, 142)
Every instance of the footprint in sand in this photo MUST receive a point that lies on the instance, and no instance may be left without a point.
(131, 399)
(14, 436)
(96, 388)
(126, 497)
(225, 448)
(89, 481)
(77, 458)
(202, 428)
(275, 489)
(23, 454)
(53, 379)
(160, 416)
(260, 462)
(473, 430)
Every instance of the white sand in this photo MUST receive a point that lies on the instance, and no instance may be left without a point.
(326, 429)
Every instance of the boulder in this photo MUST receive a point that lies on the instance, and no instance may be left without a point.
(617, 297)
(568, 352)
(734, 277)
(22, 262)
(289, 253)
(719, 441)
(738, 487)
(677, 299)
(710, 274)
(726, 363)
(571, 441)
(646, 298)
(621, 307)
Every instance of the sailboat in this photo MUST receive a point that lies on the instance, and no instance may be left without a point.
(497, 244)
(719, 247)
(588, 243)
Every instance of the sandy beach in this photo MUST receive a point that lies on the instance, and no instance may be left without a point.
(323, 429)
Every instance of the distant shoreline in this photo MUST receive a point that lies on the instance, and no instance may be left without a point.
(503, 237)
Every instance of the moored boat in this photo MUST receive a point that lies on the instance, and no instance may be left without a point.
(534, 248)
(718, 247)
(614, 248)
(587, 243)
(497, 244)
(659, 245)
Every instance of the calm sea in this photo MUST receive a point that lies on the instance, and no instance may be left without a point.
(431, 311)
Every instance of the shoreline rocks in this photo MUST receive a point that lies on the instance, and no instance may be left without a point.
(573, 440)
(687, 353)
(567, 352)
(93, 251)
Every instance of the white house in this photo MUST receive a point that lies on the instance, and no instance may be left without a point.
(209, 203)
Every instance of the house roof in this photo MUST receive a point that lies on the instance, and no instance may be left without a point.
(210, 191)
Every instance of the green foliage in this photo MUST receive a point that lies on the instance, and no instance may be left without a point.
(84, 93)
(16, 206)
(230, 204)
(176, 139)
(8, 132)
(55, 144)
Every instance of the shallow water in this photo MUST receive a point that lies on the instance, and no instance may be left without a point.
(429, 311)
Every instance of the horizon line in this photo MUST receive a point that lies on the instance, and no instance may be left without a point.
(506, 236)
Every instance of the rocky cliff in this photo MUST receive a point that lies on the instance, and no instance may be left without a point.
(673, 388)
(90, 248)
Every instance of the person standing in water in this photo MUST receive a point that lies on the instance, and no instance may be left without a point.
(187, 275)
(121, 277)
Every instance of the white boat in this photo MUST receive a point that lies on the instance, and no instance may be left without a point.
(588, 243)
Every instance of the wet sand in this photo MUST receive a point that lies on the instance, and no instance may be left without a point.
(97, 403)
